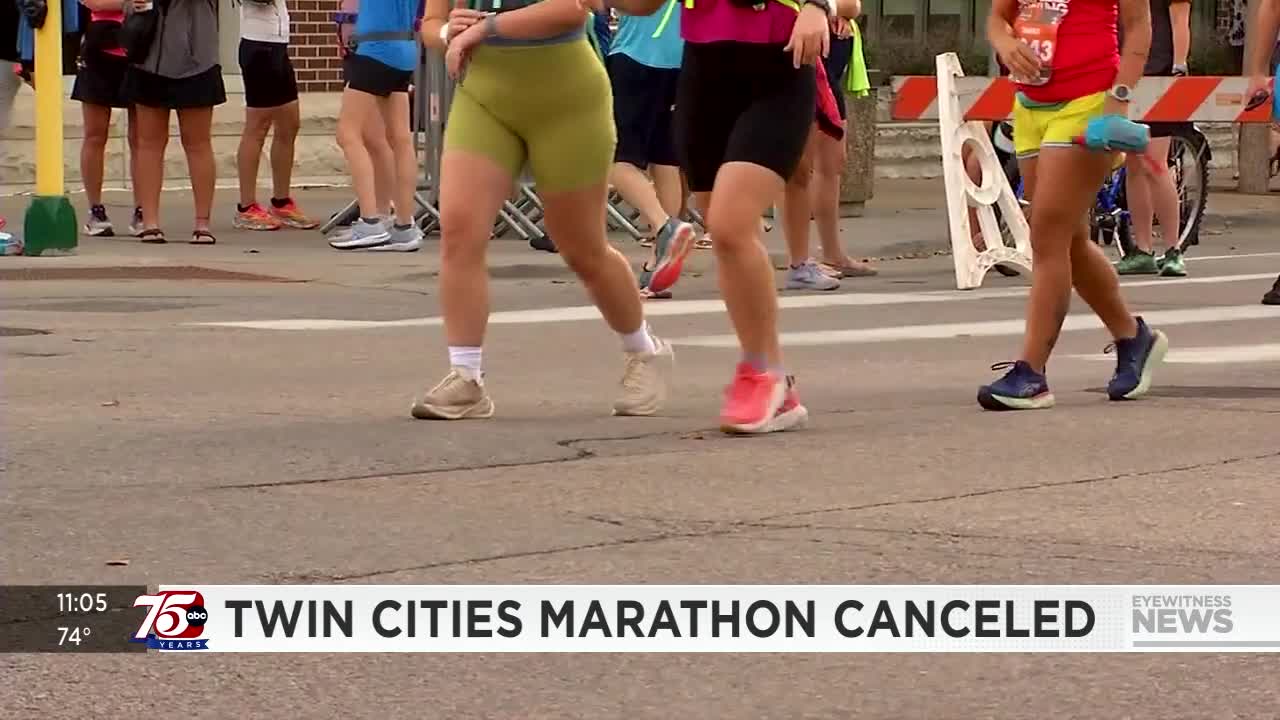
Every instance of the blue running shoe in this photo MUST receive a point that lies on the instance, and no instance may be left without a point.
(1020, 389)
(1136, 360)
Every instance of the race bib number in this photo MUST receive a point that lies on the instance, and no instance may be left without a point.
(1037, 26)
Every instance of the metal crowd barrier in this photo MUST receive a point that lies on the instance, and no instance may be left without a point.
(521, 214)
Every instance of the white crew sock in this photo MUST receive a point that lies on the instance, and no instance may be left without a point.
(640, 341)
(467, 358)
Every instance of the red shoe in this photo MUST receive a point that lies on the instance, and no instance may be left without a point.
(752, 401)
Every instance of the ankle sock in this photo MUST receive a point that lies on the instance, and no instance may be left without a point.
(760, 363)
(402, 228)
(640, 341)
(243, 208)
(466, 357)
(279, 202)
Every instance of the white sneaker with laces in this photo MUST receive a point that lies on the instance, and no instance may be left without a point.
(645, 378)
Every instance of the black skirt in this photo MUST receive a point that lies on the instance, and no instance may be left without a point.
(101, 81)
(198, 91)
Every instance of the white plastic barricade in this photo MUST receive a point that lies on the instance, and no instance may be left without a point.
(962, 193)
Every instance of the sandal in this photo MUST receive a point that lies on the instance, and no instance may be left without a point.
(702, 243)
(154, 236)
(202, 237)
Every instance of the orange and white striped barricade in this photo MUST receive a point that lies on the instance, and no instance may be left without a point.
(960, 104)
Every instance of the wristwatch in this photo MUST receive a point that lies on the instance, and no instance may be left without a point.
(1122, 93)
(828, 6)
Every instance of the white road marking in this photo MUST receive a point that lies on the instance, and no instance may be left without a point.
(671, 308)
(990, 328)
(1193, 258)
(1212, 355)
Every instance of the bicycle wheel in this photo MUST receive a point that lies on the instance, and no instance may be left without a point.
(1189, 163)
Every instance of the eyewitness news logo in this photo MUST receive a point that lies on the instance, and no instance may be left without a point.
(175, 621)
(719, 618)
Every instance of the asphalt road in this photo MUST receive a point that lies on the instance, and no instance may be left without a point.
(148, 423)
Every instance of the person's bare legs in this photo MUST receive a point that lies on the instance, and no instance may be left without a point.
(472, 190)
(357, 112)
(742, 193)
(1076, 173)
(132, 135)
(795, 210)
(285, 123)
(576, 219)
(669, 186)
(257, 123)
(153, 138)
(639, 192)
(384, 163)
(195, 126)
(97, 125)
(395, 119)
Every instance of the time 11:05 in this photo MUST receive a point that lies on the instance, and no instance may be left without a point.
(82, 603)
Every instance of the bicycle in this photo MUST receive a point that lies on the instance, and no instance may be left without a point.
(1110, 224)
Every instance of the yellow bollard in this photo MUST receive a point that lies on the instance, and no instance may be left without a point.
(50, 222)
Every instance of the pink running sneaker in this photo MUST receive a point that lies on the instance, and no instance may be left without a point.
(791, 415)
(752, 401)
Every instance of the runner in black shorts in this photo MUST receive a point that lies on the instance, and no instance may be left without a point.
(99, 88)
(271, 105)
(744, 106)
(644, 69)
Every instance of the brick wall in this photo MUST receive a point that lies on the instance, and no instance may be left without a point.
(313, 45)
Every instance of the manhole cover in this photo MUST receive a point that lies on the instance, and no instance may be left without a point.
(19, 332)
(107, 306)
(155, 272)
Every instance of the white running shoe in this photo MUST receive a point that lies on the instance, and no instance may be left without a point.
(364, 235)
(407, 240)
(808, 276)
(645, 379)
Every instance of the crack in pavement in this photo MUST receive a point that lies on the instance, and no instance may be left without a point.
(570, 444)
(743, 527)
(1019, 488)
(963, 536)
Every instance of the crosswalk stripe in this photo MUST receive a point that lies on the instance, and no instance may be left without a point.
(991, 328)
(1213, 355)
(673, 308)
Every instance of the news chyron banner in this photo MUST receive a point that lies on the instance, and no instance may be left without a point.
(678, 619)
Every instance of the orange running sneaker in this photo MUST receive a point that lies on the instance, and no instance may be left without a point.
(289, 214)
(254, 217)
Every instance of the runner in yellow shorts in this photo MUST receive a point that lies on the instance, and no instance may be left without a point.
(1074, 84)
(1040, 125)
(531, 91)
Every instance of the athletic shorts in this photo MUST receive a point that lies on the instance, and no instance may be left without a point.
(101, 81)
(741, 102)
(545, 106)
(371, 76)
(644, 100)
(201, 90)
(269, 80)
(1056, 125)
(836, 63)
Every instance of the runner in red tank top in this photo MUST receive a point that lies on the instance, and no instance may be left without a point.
(1072, 83)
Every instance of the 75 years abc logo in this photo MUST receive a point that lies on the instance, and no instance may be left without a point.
(175, 620)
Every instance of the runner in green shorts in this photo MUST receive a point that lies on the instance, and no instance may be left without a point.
(531, 92)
